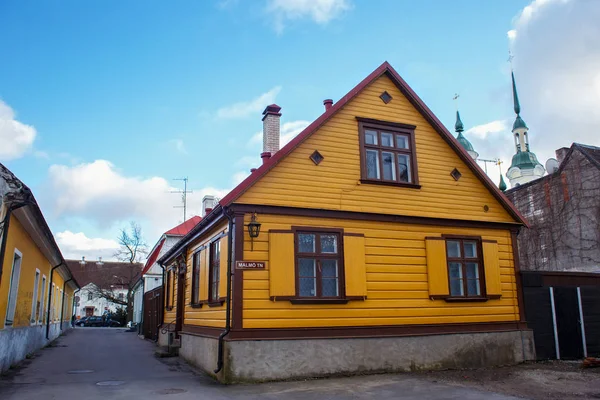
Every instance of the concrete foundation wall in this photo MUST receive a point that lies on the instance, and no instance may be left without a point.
(283, 359)
(201, 352)
(17, 343)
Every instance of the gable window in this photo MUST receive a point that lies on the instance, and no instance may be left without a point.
(318, 265)
(387, 153)
(214, 271)
(90, 296)
(196, 278)
(465, 267)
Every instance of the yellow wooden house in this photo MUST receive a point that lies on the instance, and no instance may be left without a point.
(371, 242)
(36, 286)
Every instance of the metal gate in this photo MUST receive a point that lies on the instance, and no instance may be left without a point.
(563, 309)
(153, 308)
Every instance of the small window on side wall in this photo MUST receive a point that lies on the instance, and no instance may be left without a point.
(387, 153)
(465, 267)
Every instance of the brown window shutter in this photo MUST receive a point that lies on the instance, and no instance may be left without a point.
(437, 266)
(491, 266)
(282, 273)
(223, 268)
(355, 270)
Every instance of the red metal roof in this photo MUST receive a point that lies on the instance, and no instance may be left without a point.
(384, 68)
(185, 227)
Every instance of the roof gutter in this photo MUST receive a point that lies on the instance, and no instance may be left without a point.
(228, 297)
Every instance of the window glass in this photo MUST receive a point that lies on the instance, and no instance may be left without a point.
(387, 139)
(372, 164)
(470, 249)
(473, 286)
(453, 248)
(404, 168)
(371, 137)
(329, 244)
(329, 280)
(306, 243)
(456, 279)
(307, 277)
(389, 169)
(402, 142)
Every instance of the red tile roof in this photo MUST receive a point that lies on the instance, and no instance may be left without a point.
(185, 227)
(384, 68)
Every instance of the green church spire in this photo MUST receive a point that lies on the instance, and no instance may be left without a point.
(458, 126)
(519, 123)
(502, 186)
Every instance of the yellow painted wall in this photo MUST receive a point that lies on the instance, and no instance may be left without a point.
(33, 258)
(205, 315)
(397, 281)
(334, 183)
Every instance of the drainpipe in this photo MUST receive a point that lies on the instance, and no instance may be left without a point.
(62, 303)
(228, 297)
(5, 225)
(50, 301)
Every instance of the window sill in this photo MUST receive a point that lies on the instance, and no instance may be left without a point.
(450, 299)
(198, 305)
(169, 308)
(218, 303)
(386, 183)
(303, 300)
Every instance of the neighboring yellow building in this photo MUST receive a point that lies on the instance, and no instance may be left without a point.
(371, 242)
(36, 286)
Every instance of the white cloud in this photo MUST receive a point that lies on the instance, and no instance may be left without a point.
(16, 137)
(319, 11)
(101, 194)
(484, 130)
(557, 69)
(75, 245)
(179, 145)
(238, 177)
(246, 108)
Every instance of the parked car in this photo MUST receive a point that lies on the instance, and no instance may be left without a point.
(81, 321)
(99, 321)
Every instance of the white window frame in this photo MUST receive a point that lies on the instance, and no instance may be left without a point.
(13, 304)
(42, 316)
(34, 299)
(52, 302)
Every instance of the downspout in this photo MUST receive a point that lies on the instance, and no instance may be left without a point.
(5, 225)
(50, 301)
(62, 303)
(228, 297)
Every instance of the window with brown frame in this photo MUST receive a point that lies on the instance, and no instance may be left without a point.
(214, 271)
(196, 278)
(465, 267)
(387, 153)
(318, 265)
(170, 284)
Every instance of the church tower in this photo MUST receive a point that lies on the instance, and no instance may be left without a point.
(524, 166)
(459, 128)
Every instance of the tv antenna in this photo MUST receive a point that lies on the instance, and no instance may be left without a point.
(495, 161)
(183, 193)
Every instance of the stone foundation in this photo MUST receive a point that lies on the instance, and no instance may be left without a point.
(17, 343)
(266, 360)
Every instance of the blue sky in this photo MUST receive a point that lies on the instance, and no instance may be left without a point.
(141, 92)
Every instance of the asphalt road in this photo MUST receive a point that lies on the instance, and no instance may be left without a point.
(109, 363)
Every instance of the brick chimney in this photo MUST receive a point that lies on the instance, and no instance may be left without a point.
(327, 103)
(561, 153)
(271, 131)
(208, 203)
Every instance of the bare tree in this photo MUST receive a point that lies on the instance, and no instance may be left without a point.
(133, 248)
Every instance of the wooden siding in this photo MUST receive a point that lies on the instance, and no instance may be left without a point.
(335, 183)
(397, 281)
(32, 258)
(205, 315)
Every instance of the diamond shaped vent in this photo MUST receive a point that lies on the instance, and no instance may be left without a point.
(455, 174)
(386, 97)
(316, 157)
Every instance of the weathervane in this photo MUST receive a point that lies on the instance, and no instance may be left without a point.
(455, 99)
(510, 58)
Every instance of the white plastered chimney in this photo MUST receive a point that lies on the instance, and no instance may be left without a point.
(208, 203)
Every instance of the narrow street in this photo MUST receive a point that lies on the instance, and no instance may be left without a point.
(104, 363)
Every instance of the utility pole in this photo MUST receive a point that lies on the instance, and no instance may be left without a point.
(183, 193)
